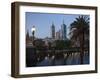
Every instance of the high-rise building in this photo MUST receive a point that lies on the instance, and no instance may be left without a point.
(53, 31)
(64, 31)
(58, 35)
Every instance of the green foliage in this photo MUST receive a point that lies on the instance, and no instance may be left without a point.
(79, 28)
(39, 44)
(62, 44)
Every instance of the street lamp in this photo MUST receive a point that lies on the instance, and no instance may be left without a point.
(33, 31)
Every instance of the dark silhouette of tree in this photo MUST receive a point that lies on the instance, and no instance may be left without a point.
(79, 30)
(62, 44)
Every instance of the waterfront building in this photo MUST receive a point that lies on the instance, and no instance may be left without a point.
(58, 35)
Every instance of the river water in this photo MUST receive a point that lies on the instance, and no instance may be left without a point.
(71, 59)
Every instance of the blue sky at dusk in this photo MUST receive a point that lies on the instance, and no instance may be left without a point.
(43, 22)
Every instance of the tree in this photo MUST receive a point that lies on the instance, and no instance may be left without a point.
(62, 44)
(39, 44)
(80, 29)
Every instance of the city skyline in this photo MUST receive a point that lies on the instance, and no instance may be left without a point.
(43, 21)
(52, 45)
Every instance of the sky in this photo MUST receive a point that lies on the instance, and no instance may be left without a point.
(44, 21)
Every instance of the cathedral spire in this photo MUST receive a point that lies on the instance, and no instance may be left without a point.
(52, 23)
(27, 34)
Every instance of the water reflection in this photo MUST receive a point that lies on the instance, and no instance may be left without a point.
(70, 60)
(34, 58)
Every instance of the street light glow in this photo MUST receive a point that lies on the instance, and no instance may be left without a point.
(33, 29)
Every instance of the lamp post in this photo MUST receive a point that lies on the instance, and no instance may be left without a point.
(33, 32)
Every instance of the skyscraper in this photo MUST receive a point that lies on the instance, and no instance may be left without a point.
(64, 31)
(53, 31)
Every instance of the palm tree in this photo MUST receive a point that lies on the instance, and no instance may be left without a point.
(79, 28)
